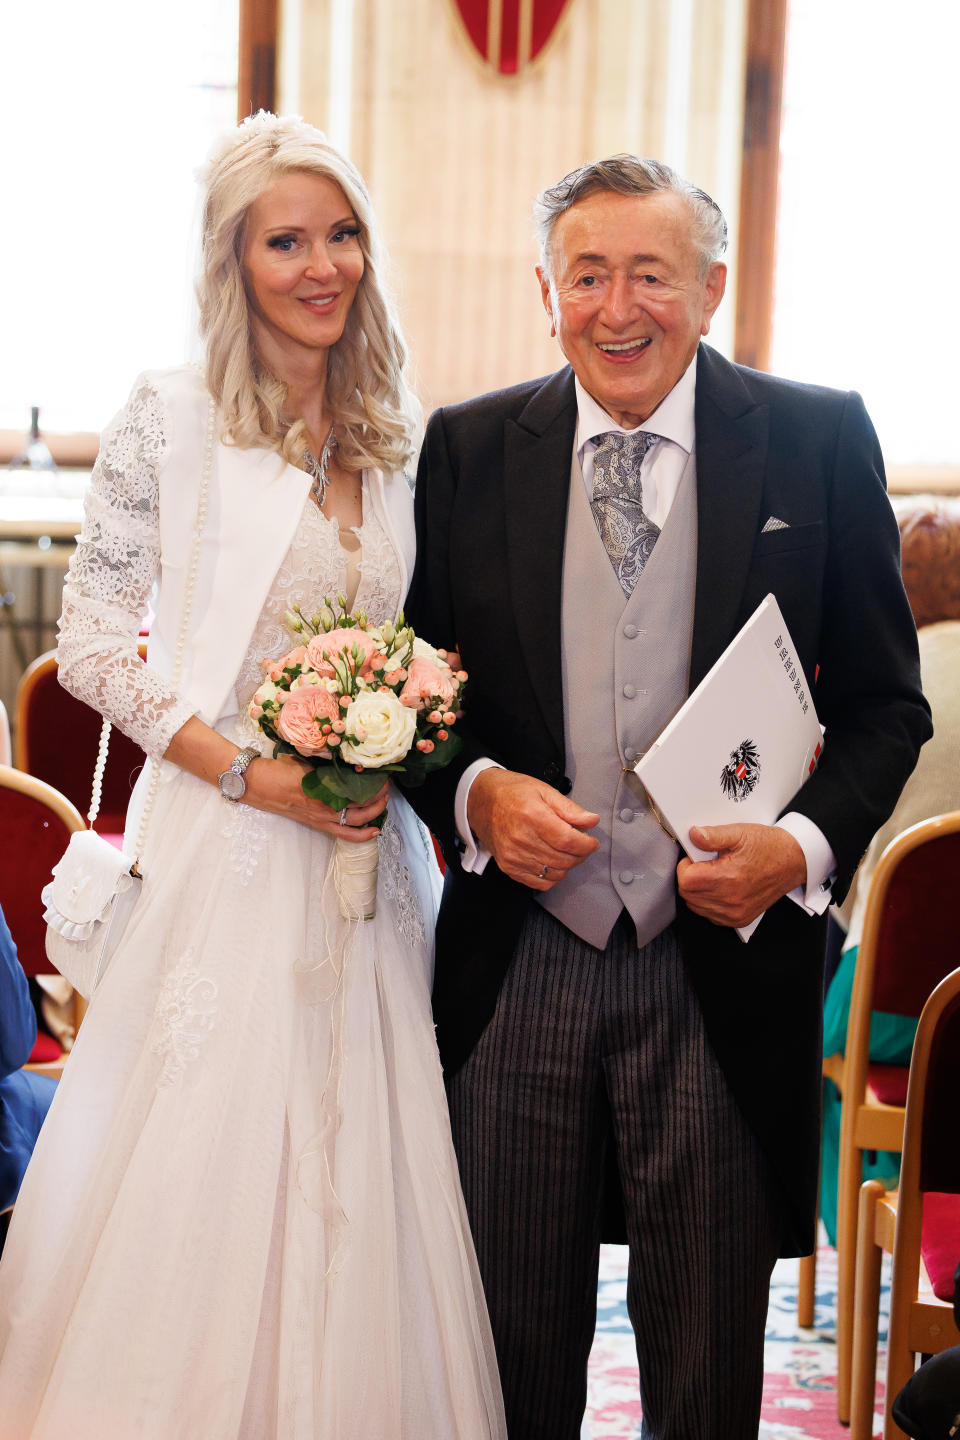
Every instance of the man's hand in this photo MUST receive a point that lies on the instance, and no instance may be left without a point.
(527, 825)
(755, 866)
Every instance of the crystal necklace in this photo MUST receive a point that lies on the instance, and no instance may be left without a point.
(319, 468)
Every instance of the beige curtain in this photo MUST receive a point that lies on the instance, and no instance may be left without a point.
(454, 155)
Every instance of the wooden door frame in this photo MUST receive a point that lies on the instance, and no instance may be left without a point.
(760, 181)
(257, 60)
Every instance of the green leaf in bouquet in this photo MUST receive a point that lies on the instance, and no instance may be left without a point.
(339, 785)
(418, 766)
(280, 747)
(443, 752)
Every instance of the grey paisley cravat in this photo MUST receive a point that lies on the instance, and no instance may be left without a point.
(617, 504)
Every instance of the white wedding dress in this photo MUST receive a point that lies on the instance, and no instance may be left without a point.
(243, 1219)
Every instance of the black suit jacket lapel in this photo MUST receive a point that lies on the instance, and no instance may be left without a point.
(732, 436)
(538, 447)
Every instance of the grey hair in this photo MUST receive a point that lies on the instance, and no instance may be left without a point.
(629, 175)
(367, 396)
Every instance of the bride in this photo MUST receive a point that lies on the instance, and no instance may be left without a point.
(243, 1217)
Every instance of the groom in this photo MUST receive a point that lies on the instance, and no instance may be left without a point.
(591, 542)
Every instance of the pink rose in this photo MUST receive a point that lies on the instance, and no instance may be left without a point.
(426, 682)
(335, 642)
(303, 715)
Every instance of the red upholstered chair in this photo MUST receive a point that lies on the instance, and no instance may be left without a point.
(36, 822)
(919, 1223)
(911, 939)
(57, 737)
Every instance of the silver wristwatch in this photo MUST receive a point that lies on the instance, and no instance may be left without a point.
(233, 786)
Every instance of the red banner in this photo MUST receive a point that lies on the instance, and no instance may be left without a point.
(508, 34)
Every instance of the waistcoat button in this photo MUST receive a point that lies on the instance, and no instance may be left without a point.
(629, 691)
(629, 754)
(626, 877)
(631, 631)
(626, 816)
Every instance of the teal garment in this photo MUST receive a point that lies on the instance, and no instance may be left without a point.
(891, 1041)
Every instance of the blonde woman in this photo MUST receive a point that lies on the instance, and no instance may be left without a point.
(243, 1217)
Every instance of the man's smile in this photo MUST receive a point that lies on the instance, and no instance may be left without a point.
(624, 349)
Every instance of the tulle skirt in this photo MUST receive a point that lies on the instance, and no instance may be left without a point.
(243, 1220)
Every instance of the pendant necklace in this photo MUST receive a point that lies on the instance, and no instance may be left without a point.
(319, 468)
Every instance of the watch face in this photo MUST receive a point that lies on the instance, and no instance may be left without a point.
(232, 785)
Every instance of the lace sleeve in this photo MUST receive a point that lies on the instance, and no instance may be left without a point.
(110, 577)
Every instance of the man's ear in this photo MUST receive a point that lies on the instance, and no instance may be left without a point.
(714, 286)
(546, 295)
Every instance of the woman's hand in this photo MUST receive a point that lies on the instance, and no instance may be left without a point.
(274, 786)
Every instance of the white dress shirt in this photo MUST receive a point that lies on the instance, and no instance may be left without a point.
(660, 472)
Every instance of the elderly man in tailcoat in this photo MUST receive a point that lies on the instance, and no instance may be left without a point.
(591, 542)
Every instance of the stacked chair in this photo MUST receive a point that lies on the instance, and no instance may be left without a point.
(910, 941)
(919, 1223)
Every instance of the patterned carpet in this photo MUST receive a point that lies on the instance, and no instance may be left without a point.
(800, 1365)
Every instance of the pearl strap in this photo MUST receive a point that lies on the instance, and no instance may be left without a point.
(193, 570)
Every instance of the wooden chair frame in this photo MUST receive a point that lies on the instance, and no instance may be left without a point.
(891, 1221)
(866, 1123)
(16, 779)
(5, 751)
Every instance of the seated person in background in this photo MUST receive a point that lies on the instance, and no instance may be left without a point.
(930, 561)
(24, 1097)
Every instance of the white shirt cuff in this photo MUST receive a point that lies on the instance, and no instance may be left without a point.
(474, 857)
(814, 897)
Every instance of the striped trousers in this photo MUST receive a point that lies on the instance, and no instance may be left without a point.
(590, 1049)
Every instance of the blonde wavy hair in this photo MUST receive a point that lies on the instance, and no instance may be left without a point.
(369, 402)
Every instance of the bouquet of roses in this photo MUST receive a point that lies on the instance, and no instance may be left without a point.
(359, 701)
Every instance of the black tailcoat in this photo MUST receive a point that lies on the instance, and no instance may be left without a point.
(491, 501)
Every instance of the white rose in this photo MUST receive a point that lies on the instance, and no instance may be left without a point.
(268, 694)
(423, 651)
(304, 679)
(382, 728)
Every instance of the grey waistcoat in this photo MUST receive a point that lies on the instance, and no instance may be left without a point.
(626, 672)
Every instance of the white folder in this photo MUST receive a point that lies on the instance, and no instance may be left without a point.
(743, 743)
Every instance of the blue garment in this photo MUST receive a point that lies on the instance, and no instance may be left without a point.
(24, 1097)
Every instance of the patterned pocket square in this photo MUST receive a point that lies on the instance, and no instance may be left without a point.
(774, 524)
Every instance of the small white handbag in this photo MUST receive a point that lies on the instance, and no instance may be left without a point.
(95, 886)
(87, 905)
